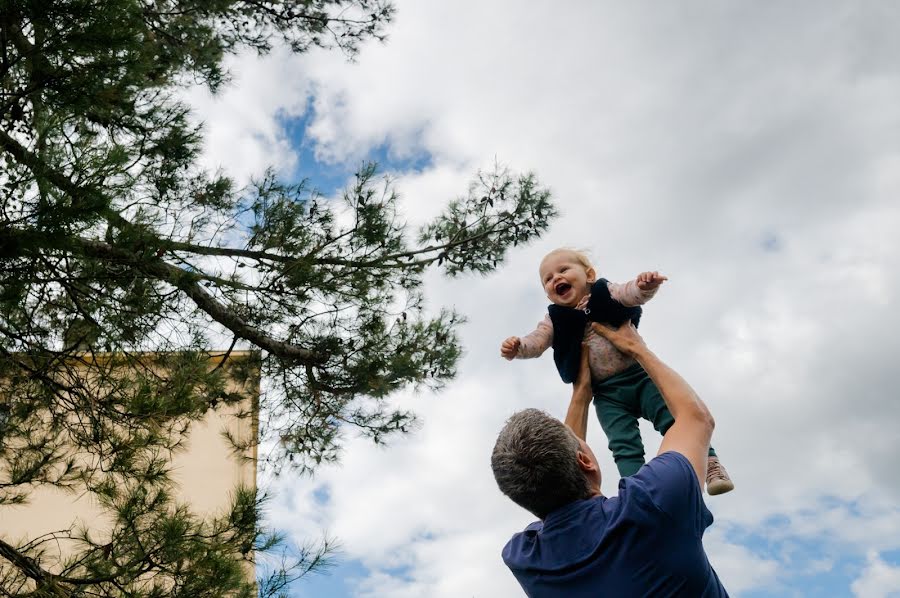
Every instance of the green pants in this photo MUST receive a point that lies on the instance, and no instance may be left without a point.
(620, 400)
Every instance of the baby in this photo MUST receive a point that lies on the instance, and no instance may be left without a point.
(622, 390)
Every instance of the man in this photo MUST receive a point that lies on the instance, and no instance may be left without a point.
(644, 542)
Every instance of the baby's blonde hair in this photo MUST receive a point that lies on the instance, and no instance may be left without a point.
(579, 255)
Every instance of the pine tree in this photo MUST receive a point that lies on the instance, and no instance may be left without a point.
(123, 263)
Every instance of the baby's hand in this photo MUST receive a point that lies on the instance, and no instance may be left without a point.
(647, 281)
(510, 347)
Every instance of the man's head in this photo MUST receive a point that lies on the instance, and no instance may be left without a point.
(541, 465)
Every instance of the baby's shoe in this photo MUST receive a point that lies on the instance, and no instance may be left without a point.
(717, 480)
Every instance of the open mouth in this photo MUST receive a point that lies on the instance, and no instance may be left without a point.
(562, 288)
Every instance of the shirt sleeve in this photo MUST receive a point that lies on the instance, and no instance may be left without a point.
(669, 482)
(629, 294)
(536, 342)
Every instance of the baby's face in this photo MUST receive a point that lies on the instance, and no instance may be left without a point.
(565, 279)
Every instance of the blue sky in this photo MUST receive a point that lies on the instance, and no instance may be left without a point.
(749, 152)
(330, 177)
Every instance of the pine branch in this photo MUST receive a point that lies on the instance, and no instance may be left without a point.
(185, 281)
(188, 283)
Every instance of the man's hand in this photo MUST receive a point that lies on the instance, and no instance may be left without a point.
(625, 338)
(647, 281)
(510, 347)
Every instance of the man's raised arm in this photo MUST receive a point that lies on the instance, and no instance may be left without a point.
(693, 427)
(577, 415)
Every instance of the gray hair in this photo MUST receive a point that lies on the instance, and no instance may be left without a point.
(535, 463)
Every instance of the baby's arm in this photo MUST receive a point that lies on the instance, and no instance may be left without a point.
(531, 345)
(637, 291)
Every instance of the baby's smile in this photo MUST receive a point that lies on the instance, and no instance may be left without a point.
(562, 288)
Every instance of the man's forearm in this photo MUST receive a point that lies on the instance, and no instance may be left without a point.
(577, 415)
(678, 395)
(693, 427)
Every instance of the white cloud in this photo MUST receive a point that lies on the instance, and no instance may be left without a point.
(878, 579)
(465, 573)
(243, 122)
(739, 568)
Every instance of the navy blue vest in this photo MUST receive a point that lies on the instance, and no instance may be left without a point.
(569, 323)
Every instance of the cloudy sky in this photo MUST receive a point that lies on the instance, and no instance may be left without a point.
(749, 151)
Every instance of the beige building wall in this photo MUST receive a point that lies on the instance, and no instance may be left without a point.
(206, 473)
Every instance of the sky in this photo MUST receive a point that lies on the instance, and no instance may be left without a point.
(748, 151)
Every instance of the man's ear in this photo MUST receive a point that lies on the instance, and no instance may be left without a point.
(585, 462)
(591, 275)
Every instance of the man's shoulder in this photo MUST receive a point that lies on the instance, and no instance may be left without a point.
(571, 530)
(668, 483)
(531, 530)
(520, 541)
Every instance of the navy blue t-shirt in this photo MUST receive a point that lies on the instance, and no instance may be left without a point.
(647, 541)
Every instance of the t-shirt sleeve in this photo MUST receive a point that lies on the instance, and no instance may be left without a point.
(670, 484)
